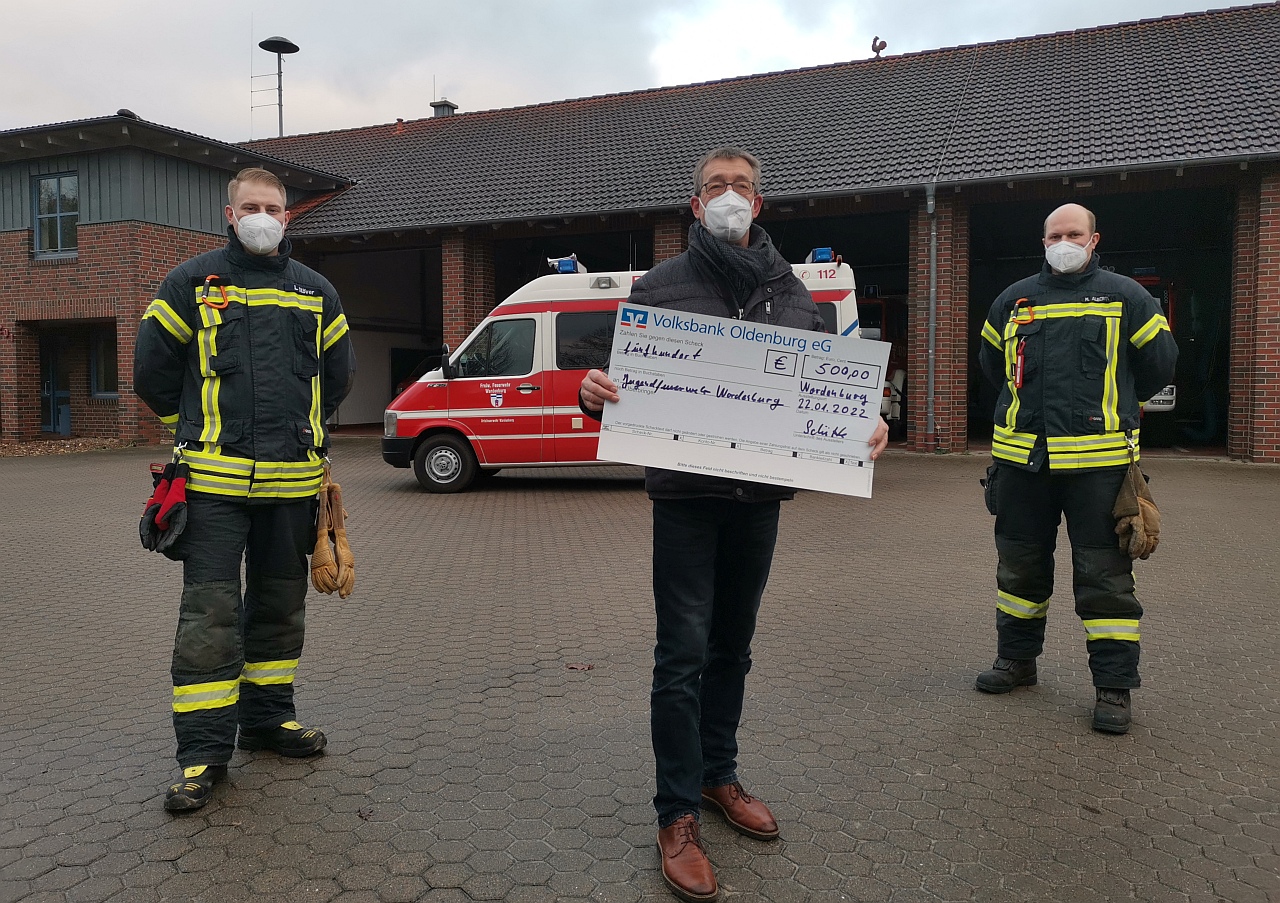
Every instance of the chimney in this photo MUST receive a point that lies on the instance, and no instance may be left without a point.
(443, 107)
(399, 125)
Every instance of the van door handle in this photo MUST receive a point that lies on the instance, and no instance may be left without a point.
(526, 388)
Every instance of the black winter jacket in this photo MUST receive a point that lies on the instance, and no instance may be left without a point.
(678, 284)
(246, 367)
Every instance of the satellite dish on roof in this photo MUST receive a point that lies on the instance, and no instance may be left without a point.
(278, 44)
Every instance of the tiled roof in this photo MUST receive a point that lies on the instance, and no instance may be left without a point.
(1182, 89)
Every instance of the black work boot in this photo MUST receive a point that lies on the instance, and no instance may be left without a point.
(289, 739)
(1112, 712)
(1006, 674)
(195, 788)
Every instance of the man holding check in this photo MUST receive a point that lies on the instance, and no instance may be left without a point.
(713, 538)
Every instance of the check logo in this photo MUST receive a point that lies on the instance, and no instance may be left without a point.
(637, 318)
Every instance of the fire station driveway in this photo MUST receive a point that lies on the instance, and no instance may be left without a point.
(473, 756)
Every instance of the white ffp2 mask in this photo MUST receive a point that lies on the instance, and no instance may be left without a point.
(1066, 256)
(260, 233)
(727, 217)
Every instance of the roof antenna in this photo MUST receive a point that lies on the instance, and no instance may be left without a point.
(877, 45)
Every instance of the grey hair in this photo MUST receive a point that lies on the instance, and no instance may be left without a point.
(726, 153)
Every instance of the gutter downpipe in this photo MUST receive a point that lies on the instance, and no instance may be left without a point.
(930, 428)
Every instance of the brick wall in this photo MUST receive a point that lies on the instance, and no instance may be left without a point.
(467, 273)
(670, 237)
(110, 282)
(951, 352)
(1256, 327)
(1240, 405)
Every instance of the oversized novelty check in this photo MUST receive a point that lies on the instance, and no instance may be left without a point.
(743, 400)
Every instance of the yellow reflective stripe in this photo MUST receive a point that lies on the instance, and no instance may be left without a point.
(335, 330)
(162, 313)
(317, 422)
(194, 697)
(1098, 442)
(1060, 311)
(263, 673)
(1012, 446)
(990, 334)
(1010, 362)
(285, 489)
(1110, 388)
(215, 461)
(1150, 330)
(1112, 629)
(211, 318)
(271, 297)
(287, 470)
(1021, 608)
(1079, 452)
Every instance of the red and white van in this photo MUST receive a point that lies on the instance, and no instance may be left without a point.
(508, 397)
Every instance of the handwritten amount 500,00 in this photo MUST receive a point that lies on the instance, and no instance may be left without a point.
(832, 407)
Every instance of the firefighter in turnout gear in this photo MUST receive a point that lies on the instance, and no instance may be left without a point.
(244, 354)
(1074, 350)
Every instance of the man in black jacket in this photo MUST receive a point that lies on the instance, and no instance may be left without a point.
(713, 538)
(245, 354)
(1074, 350)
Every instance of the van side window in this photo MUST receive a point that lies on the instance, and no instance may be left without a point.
(584, 339)
(503, 348)
(828, 311)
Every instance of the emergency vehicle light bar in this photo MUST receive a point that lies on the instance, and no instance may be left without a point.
(820, 255)
(565, 264)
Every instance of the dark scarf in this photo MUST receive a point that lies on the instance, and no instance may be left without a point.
(736, 270)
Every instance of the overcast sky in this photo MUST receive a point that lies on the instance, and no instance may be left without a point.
(187, 64)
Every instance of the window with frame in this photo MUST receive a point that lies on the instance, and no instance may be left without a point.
(57, 213)
(584, 339)
(504, 348)
(104, 374)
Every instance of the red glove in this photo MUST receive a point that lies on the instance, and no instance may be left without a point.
(148, 531)
(171, 519)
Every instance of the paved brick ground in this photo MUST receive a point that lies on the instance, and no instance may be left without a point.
(467, 761)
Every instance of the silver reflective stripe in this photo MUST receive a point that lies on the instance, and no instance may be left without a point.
(1021, 608)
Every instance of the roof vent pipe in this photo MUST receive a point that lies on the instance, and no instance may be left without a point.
(443, 107)
(930, 428)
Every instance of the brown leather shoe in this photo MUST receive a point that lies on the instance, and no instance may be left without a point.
(685, 866)
(744, 813)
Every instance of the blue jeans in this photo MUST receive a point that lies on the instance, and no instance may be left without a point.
(711, 561)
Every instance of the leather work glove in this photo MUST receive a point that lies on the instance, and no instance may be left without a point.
(346, 579)
(324, 568)
(148, 532)
(333, 567)
(1137, 518)
(171, 519)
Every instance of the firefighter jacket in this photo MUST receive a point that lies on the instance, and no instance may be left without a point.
(245, 357)
(1074, 354)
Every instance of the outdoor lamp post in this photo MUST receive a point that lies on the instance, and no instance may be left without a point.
(279, 46)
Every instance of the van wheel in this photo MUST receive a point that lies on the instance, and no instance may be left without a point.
(444, 463)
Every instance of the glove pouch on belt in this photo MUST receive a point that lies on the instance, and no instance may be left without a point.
(1137, 518)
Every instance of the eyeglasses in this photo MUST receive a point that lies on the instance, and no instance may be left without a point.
(717, 188)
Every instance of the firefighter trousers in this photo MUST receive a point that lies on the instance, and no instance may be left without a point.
(1029, 508)
(236, 653)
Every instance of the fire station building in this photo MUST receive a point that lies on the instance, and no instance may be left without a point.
(930, 173)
